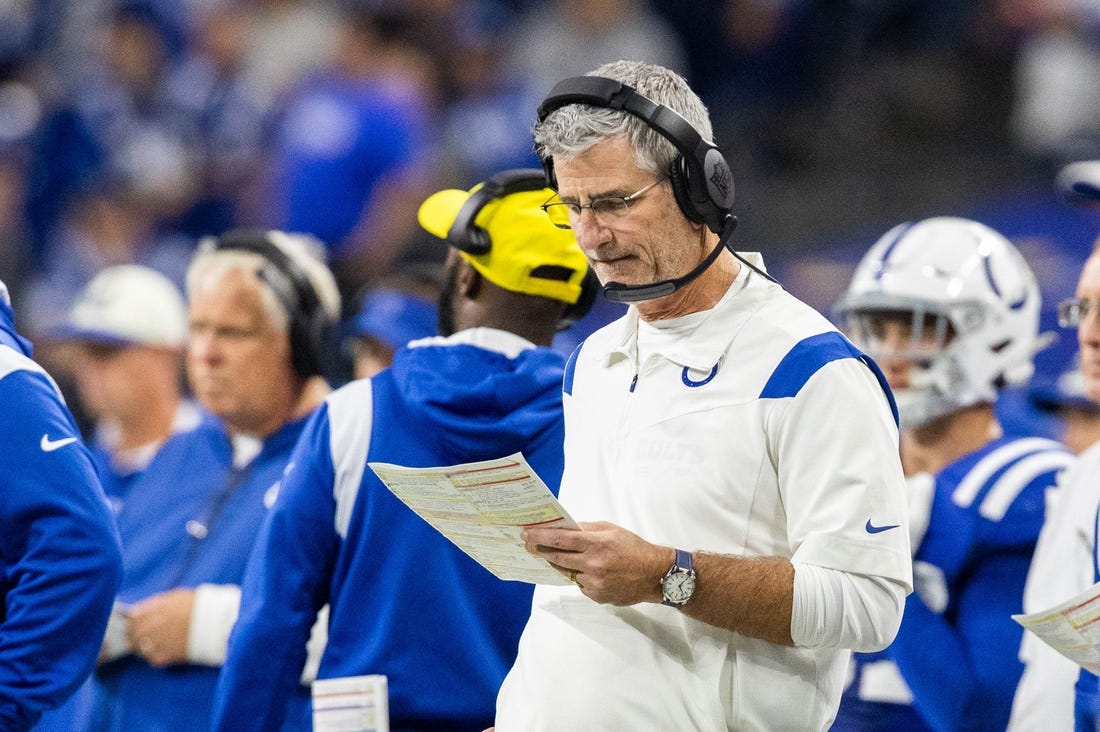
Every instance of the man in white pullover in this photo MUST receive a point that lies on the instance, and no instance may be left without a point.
(732, 459)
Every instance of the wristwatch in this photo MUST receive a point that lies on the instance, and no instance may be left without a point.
(678, 584)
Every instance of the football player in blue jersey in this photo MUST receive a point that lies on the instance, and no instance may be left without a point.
(950, 310)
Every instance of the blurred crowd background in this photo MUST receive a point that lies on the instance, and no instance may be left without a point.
(130, 129)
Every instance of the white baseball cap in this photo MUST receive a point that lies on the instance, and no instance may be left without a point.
(129, 304)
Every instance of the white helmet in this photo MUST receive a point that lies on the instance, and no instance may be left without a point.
(972, 287)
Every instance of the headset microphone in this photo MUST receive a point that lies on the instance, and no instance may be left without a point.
(618, 292)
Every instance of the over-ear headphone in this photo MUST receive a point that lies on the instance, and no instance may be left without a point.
(467, 236)
(590, 288)
(701, 179)
(309, 325)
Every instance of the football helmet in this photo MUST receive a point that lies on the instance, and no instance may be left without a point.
(969, 303)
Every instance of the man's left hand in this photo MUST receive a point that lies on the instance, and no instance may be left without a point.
(611, 565)
(159, 627)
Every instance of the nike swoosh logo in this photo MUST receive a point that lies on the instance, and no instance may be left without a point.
(49, 445)
(872, 529)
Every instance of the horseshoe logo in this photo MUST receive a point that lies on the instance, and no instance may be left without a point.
(690, 382)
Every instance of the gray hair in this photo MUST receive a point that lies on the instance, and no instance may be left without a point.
(569, 131)
(306, 252)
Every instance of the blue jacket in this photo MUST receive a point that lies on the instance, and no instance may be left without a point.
(191, 518)
(59, 550)
(404, 601)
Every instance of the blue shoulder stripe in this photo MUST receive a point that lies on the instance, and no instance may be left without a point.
(570, 367)
(808, 356)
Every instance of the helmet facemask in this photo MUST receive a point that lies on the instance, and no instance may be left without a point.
(922, 358)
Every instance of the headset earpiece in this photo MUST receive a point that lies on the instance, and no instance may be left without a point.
(309, 327)
(464, 233)
(678, 178)
(477, 241)
(590, 290)
(550, 177)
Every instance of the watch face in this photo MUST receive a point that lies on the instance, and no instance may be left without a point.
(679, 586)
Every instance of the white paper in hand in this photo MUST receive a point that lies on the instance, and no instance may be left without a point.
(482, 507)
(1072, 628)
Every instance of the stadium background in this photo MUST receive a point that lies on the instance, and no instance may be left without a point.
(130, 129)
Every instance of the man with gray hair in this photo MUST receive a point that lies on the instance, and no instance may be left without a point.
(731, 458)
(260, 306)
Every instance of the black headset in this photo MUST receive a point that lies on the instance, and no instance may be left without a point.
(701, 179)
(465, 235)
(310, 327)
(700, 176)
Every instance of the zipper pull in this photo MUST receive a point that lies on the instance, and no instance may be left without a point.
(633, 383)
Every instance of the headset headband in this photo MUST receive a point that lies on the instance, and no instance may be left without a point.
(600, 91)
(308, 301)
(701, 178)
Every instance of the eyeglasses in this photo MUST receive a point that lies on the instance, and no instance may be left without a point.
(1074, 310)
(565, 215)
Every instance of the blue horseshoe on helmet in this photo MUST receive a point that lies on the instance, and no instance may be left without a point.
(996, 290)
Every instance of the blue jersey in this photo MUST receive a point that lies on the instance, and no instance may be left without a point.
(954, 665)
(190, 518)
(404, 601)
(59, 550)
